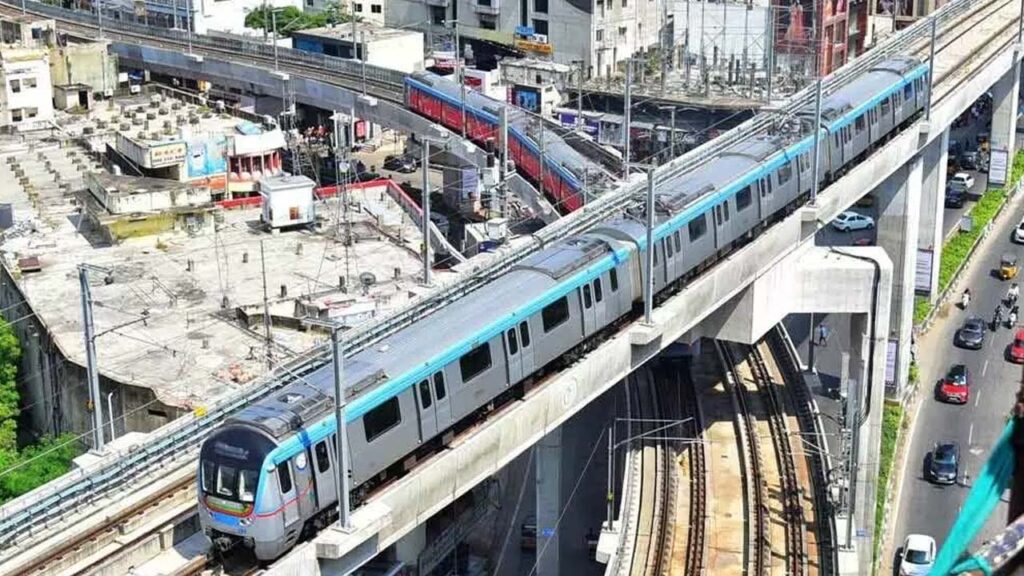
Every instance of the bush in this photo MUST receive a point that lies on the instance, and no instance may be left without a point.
(890, 432)
(921, 308)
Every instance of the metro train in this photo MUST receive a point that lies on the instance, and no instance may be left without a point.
(265, 476)
(439, 99)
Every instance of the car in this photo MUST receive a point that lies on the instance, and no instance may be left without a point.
(848, 221)
(944, 465)
(917, 555)
(961, 181)
(971, 334)
(1018, 233)
(1017, 347)
(955, 386)
(955, 198)
(865, 201)
(400, 163)
(969, 160)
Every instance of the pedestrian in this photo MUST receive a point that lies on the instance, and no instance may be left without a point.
(822, 335)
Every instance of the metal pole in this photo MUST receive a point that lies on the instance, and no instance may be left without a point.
(354, 25)
(579, 98)
(931, 69)
(672, 134)
(273, 24)
(425, 166)
(686, 49)
(90, 360)
(853, 400)
(341, 470)
(99, 16)
(23, 10)
(542, 154)
(459, 76)
(362, 54)
(770, 51)
(188, 24)
(503, 169)
(352, 129)
(110, 410)
(266, 310)
(649, 260)
(817, 141)
(626, 123)
(610, 495)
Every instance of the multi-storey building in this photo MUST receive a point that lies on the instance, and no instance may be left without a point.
(600, 33)
(809, 32)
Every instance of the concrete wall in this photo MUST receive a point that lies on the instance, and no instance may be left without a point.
(34, 103)
(84, 64)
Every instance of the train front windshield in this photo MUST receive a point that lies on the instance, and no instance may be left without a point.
(230, 462)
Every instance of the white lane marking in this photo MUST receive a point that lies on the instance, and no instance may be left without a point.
(977, 398)
(970, 435)
(984, 368)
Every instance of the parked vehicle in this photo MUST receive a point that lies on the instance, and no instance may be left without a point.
(849, 221)
(955, 198)
(944, 464)
(917, 555)
(1017, 347)
(955, 386)
(1018, 233)
(969, 160)
(400, 163)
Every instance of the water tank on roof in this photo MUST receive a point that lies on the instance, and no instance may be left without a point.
(497, 228)
(6, 216)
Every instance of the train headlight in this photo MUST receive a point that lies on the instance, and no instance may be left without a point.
(245, 522)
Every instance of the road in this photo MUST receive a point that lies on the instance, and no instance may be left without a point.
(931, 509)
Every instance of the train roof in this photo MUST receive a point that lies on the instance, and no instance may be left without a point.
(555, 147)
(568, 256)
(863, 88)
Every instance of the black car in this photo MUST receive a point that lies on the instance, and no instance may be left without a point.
(971, 334)
(955, 199)
(944, 466)
(400, 163)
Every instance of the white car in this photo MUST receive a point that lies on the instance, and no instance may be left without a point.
(961, 182)
(917, 555)
(848, 221)
(1018, 233)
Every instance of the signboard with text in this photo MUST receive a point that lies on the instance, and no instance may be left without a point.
(163, 155)
(997, 166)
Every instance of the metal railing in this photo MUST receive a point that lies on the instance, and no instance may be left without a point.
(173, 444)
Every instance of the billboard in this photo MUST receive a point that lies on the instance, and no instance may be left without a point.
(526, 97)
(207, 157)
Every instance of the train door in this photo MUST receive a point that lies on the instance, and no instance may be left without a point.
(599, 306)
(525, 348)
(425, 401)
(288, 499)
(512, 351)
(442, 404)
(323, 460)
(587, 297)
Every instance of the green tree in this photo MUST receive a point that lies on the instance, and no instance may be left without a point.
(10, 353)
(290, 19)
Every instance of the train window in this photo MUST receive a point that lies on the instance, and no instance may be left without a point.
(613, 275)
(476, 362)
(885, 106)
(555, 314)
(439, 390)
(209, 473)
(743, 198)
(284, 476)
(698, 227)
(247, 481)
(381, 419)
(323, 461)
(524, 334)
(908, 92)
(679, 243)
(725, 210)
(668, 247)
(425, 399)
(785, 173)
(598, 291)
(513, 344)
(587, 302)
(858, 124)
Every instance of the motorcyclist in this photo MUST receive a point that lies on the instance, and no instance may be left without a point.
(1012, 319)
(997, 318)
(1012, 294)
(965, 299)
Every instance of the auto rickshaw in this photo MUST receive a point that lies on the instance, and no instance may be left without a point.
(1008, 266)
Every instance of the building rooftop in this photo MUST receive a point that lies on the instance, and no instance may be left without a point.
(183, 314)
(344, 32)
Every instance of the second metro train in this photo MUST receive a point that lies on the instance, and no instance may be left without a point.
(265, 476)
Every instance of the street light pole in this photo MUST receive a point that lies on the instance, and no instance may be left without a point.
(425, 167)
(931, 67)
(817, 141)
(649, 260)
(90, 358)
(627, 118)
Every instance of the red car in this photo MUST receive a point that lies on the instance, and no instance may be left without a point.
(1017, 348)
(955, 387)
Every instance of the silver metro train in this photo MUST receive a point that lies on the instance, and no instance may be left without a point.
(265, 476)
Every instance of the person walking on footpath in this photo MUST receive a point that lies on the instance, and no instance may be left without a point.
(822, 335)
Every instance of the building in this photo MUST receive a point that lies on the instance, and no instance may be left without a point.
(84, 64)
(386, 47)
(287, 201)
(601, 33)
(26, 101)
(171, 140)
(798, 28)
(204, 16)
